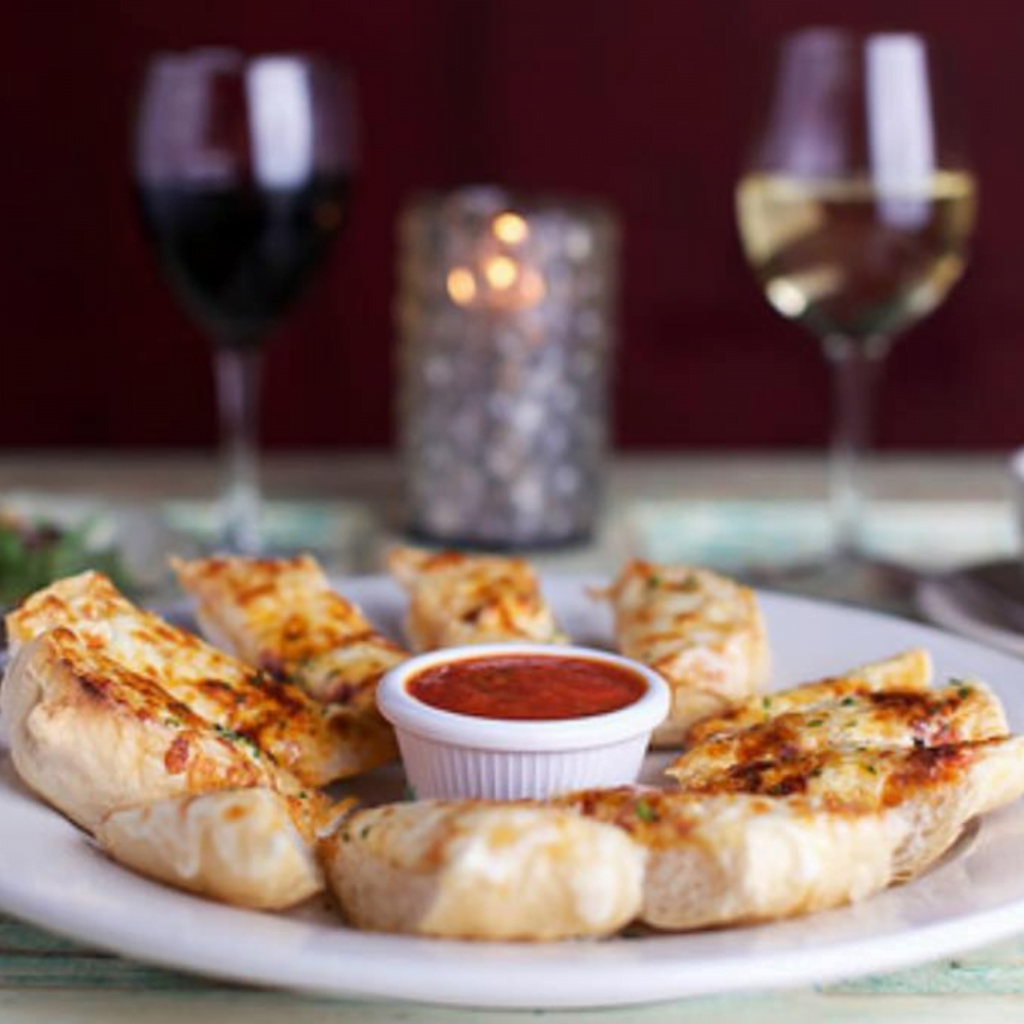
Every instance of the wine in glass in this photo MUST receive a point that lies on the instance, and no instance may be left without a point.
(855, 209)
(243, 168)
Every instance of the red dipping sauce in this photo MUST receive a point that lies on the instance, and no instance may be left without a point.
(527, 686)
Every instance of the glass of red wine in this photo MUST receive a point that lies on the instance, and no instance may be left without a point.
(243, 167)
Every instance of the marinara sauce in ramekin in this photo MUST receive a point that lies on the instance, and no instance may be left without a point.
(510, 721)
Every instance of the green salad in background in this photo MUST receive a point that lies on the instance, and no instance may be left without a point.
(34, 552)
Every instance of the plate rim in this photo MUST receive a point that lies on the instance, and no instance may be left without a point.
(646, 983)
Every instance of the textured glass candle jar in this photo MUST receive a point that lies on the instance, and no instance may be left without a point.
(506, 318)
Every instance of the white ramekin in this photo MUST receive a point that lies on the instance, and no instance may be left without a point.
(451, 756)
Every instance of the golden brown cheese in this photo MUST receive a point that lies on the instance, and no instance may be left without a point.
(876, 739)
(459, 599)
(961, 712)
(841, 776)
(91, 736)
(283, 616)
(910, 671)
(702, 632)
(939, 789)
(317, 743)
(730, 859)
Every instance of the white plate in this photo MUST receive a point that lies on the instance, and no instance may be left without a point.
(52, 876)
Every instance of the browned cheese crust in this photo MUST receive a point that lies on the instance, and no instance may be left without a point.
(317, 743)
(459, 599)
(962, 712)
(936, 789)
(908, 672)
(283, 616)
(91, 736)
(874, 740)
(702, 632)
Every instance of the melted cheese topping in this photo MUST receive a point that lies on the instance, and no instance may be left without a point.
(908, 672)
(955, 714)
(317, 743)
(460, 599)
(283, 616)
(702, 632)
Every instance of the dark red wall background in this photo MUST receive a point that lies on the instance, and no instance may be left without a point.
(643, 102)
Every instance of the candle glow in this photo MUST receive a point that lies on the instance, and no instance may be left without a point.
(501, 272)
(510, 228)
(461, 286)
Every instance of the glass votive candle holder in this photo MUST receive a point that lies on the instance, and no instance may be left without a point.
(506, 310)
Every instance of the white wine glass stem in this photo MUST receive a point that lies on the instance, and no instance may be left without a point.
(238, 396)
(855, 366)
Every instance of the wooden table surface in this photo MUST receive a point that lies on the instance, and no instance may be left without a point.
(45, 978)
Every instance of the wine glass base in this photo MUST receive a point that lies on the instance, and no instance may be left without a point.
(851, 579)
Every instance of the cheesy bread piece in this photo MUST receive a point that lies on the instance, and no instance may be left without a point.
(238, 846)
(483, 870)
(734, 859)
(938, 789)
(317, 743)
(283, 616)
(90, 736)
(961, 712)
(908, 672)
(702, 632)
(459, 599)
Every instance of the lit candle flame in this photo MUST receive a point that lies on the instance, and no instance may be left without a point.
(494, 279)
(501, 272)
(461, 286)
(510, 228)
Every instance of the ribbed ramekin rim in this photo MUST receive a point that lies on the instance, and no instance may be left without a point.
(407, 713)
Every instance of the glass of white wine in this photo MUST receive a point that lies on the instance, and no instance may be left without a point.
(855, 209)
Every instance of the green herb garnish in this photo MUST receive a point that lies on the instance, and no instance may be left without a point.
(645, 812)
(238, 737)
